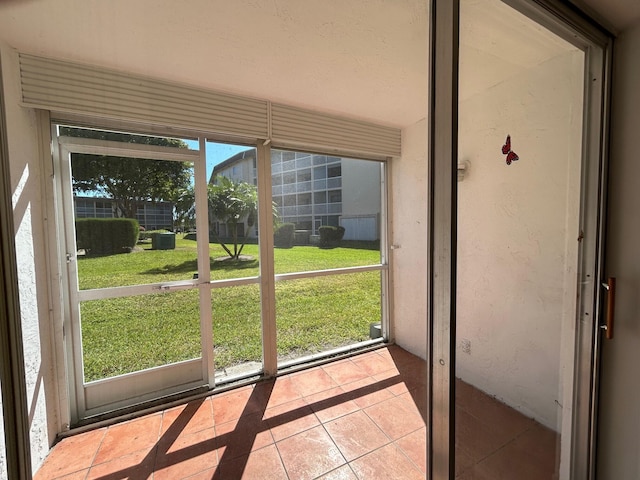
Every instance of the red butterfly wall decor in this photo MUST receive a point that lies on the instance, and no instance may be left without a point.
(506, 150)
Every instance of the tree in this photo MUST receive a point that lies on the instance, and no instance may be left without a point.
(129, 182)
(233, 203)
(184, 208)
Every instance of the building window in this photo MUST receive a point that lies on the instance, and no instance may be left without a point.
(304, 175)
(334, 171)
(335, 196)
(304, 199)
(289, 177)
(319, 197)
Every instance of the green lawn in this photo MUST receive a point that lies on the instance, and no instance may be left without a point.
(127, 334)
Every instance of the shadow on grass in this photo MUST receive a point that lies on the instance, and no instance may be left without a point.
(214, 264)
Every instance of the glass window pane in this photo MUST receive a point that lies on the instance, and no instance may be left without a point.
(319, 172)
(517, 254)
(335, 196)
(334, 170)
(304, 175)
(304, 199)
(320, 197)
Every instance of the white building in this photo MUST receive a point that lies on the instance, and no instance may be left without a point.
(150, 215)
(312, 190)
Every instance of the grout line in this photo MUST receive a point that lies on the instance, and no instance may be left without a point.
(93, 459)
(284, 467)
(369, 381)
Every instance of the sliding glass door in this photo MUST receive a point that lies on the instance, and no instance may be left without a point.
(518, 98)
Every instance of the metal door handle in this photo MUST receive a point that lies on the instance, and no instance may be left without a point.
(610, 286)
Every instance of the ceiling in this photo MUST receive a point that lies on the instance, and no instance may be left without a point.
(361, 58)
(617, 15)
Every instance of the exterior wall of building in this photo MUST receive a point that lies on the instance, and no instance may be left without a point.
(307, 188)
(243, 170)
(360, 187)
(312, 190)
(361, 195)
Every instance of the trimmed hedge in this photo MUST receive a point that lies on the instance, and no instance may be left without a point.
(284, 235)
(330, 236)
(106, 236)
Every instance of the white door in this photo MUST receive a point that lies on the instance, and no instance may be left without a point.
(113, 316)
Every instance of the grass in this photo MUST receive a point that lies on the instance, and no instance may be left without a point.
(127, 334)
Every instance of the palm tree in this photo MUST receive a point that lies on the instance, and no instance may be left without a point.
(233, 203)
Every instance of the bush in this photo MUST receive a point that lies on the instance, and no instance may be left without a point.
(283, 236)
(106, 236)
(330, 236)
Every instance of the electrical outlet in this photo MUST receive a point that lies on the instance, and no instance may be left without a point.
(465, 346)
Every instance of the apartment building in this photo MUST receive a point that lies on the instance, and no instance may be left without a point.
(150, 215)
(311, 190)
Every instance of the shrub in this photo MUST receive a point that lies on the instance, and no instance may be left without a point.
(283, 236)
(330, 236)
(106, 236)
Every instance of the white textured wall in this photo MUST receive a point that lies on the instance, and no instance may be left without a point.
(517, 235)
(26, 185)
(409, 236)
(619, 409)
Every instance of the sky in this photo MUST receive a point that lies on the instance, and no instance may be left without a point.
(217, 152)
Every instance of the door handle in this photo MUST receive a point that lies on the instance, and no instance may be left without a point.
(610, 286)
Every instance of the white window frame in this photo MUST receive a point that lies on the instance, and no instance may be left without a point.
(84, 399)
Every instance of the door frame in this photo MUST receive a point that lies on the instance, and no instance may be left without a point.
(596, 42)
(97, 397)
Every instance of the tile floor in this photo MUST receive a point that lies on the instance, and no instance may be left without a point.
(360, 418)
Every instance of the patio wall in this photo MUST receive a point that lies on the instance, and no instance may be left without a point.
(517, 237)
(408, 237)
(27, 186)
